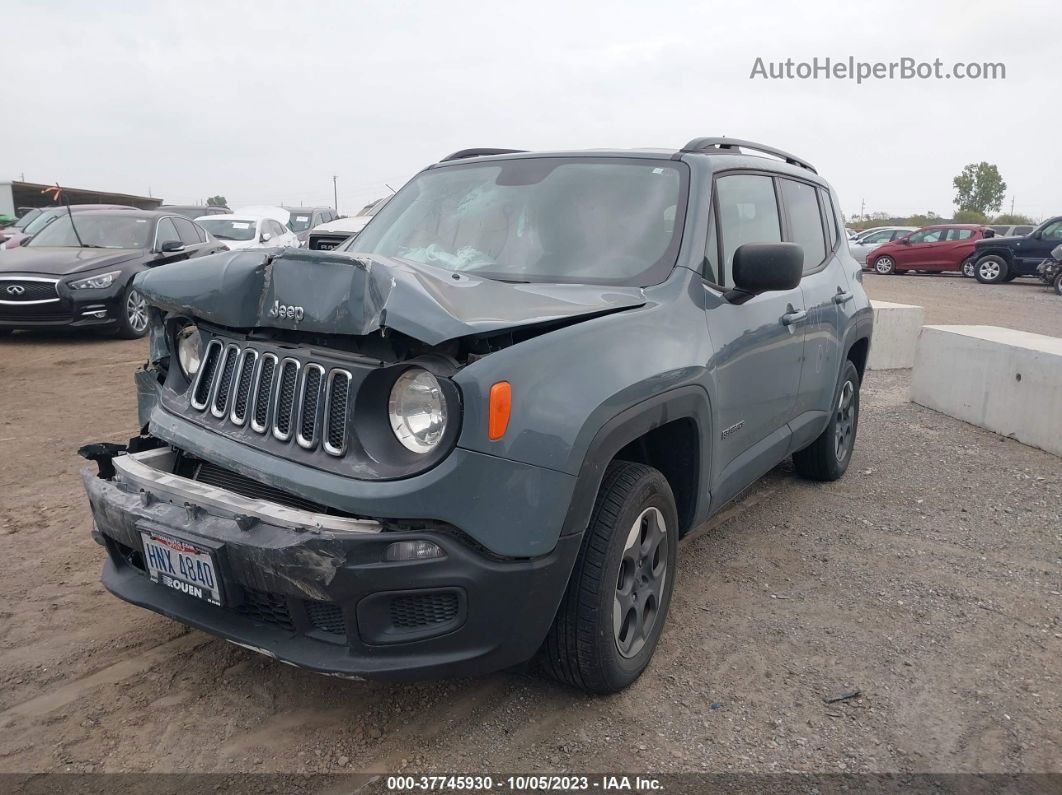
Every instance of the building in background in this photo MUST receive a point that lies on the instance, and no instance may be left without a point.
(17, 197)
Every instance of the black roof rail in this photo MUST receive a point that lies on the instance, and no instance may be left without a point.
(704, 144)
(480, 153)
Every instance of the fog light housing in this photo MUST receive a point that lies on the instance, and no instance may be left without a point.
(413, 550)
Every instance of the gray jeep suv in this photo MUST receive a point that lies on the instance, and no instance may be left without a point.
(478, 435)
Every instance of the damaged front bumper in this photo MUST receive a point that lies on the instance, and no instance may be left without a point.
(319, 590)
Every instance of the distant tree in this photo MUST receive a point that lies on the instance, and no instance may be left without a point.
(979, 187)
(970, 217)
(921, 220)
(1012, 219)
(217, 201)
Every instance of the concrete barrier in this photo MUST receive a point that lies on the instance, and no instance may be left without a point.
(896, 328)
(1006, 381)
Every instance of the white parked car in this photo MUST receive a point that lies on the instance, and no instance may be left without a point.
(872, 238)
(329, 236)
(243, 230)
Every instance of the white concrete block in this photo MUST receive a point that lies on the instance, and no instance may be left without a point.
(1006, 381)
(896, 328)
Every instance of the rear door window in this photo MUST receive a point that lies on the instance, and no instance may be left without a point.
(960, 234)
(805, 221)
(928, 236)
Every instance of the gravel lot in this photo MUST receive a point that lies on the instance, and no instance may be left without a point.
(928, 579)
(1023, 304)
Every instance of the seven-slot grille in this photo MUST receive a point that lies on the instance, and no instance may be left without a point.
(279, 396)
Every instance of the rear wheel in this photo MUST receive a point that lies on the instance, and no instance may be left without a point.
(991, 269)
(1058, 284)
(828, 456)
(885, 265)
(617, 599)
(967, 267)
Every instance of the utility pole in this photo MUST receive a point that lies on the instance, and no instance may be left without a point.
(862, 209)
(335, 195)
(1012, 205)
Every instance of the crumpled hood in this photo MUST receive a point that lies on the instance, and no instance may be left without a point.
(62, 261)
(331, 293)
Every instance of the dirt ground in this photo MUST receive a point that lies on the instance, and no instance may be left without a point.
(928, 579)
(1023, 304)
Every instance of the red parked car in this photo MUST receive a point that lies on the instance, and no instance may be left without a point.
(932, 249)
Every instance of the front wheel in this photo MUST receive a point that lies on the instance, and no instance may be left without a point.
(991, 269)
(614, 608)
(1058, 284)
(132, 315)
(886, 266)
(828, 456)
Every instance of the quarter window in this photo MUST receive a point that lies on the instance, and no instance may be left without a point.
(805, 221)
(748, 213)
(960, 234)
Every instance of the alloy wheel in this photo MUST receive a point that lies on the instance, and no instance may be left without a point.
(136, 311)
(640, 584)
(989, 270)
(968, 267)
(883, 265)
(844, 426)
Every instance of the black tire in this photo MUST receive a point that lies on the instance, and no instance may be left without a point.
(1058, 284)
(884, 265)
(583, 648)
(132, 323)
(991, 269)
(967, 267)
(824, 458)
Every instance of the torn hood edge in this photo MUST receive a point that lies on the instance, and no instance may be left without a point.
(324, 292)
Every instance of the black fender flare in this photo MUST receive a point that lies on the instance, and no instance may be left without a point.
(1000, 251)
(686, 402)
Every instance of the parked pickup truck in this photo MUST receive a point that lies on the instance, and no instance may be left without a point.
(1003, 259)
(477, 437)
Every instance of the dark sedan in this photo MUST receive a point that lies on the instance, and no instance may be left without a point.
(77, 272)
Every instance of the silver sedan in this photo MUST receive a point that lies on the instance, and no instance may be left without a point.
(872, 238)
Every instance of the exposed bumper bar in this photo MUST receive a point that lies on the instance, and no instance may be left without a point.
(146, 472)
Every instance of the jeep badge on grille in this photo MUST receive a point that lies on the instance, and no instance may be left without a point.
(287, 311)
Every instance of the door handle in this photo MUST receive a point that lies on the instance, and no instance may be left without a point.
(842, 297)
(789, 318)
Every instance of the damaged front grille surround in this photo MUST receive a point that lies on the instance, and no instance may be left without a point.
(282, 397)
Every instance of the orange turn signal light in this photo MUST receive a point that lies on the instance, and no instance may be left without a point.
(501, 403)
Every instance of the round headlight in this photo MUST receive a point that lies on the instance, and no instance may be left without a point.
(417, 410)
(188, 347)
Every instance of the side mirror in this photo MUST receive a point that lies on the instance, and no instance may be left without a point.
(766, 267)
(905, 240)
(1036, 233)
(265, 238)
(171, 247)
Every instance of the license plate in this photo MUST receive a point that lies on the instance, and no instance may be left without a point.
(182, 566)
